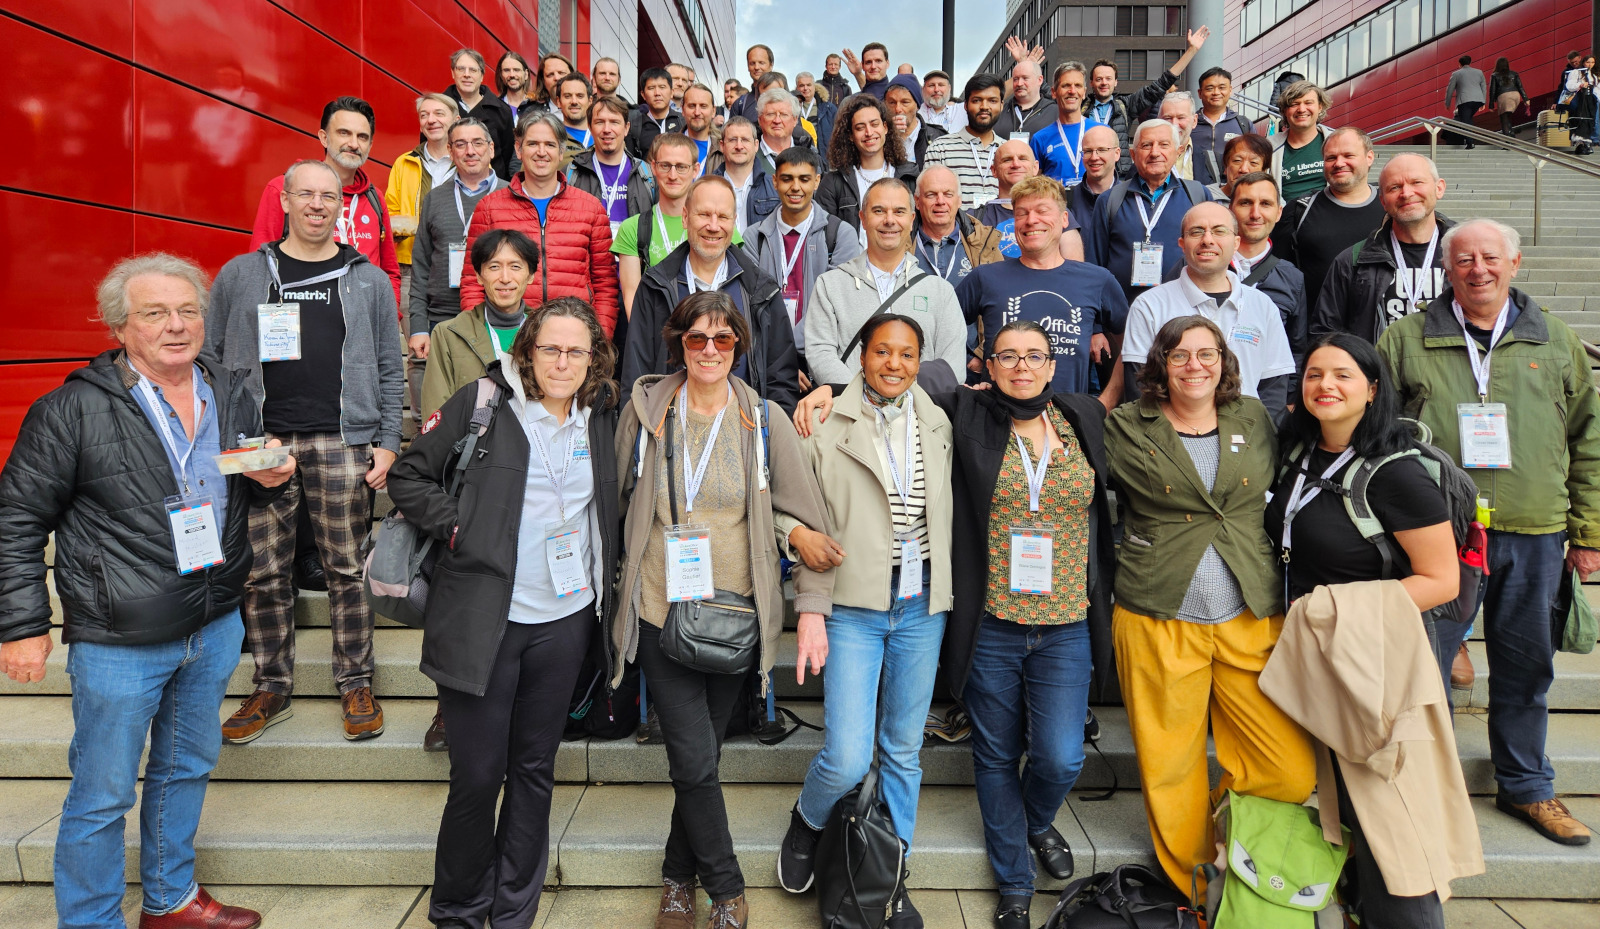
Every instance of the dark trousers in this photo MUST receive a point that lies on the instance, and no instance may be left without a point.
(694, 710)
(1525, 572)
(485, 870)
(1464, 114)
(1378, 908)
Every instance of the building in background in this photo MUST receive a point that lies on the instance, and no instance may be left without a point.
(1143, 40)
(154, 124)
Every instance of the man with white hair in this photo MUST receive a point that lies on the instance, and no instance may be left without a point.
(1534, 453)
(1135, 229)
(1177, 108)
(1027, 112)
(779, 115)
(1395, 271)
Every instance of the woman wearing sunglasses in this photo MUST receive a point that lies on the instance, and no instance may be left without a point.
(715, 486)
(528, 544)
(1199, 596)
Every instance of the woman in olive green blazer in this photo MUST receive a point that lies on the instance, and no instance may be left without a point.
(1199, 593)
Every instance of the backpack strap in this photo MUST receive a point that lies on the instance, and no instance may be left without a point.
(830, 234)
(882, 309)
(488, 400)
(1356, 481)
(642, 234)
(1260, 271)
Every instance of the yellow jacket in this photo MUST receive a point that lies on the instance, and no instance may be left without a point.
(408, 181)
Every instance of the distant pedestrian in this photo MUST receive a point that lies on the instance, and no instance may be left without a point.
(1467, 91)
(1581, 83)
(1505, 89)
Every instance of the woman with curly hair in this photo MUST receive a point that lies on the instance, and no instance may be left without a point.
(865, 147)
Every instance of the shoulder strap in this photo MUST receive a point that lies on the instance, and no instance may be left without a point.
(1118, 194)
(1195, 190)
(672, 480)
(830, 234)
(483, 408)
(1305, 209)
(882, 308)
(371, 193)
(642, 234)
(763, 450)
(1356, 481)
(1260, 271)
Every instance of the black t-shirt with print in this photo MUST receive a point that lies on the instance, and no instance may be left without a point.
(1424, 284)
(303, 395)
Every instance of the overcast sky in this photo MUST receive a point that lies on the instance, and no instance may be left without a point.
(803, 32)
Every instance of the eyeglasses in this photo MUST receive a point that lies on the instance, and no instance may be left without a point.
(696, 341)
(188, 314)
(1035, 360)
(671, 168)
(1101, 152)
(1179, 357)
(552, 354)
(306, 196)
(477, 145)
(1217, 232)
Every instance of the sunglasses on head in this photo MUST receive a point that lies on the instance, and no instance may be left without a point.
(696, 341)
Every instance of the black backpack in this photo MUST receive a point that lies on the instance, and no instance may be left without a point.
(1127, 897)
(860, 860)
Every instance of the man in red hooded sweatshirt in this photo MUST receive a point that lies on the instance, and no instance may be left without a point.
(346, 134)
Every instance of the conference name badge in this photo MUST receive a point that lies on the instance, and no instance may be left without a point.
(195, 540)
(1485, 435)
(1146, 264)
(1032, 555)
(278, 331)
(689, 563)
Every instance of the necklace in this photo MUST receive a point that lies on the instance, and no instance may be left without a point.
(1193, 429)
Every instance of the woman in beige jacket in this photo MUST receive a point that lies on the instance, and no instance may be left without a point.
(883, 460)
(738, 472)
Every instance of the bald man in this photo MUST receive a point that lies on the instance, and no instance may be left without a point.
(1028, 111)
(1208, 238)
(1395, 271)
(1014, 162)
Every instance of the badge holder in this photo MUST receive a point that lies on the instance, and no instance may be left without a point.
(910, 586)
(458, 260)
(1146, 264)
(1032, 556)
(196, 542)
(278, 331)
(563, 553)
(1485, 435)
(689, 563)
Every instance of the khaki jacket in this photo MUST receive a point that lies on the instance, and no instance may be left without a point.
(786, 497)
(1353, 666)
(843, 453)
(459, 352)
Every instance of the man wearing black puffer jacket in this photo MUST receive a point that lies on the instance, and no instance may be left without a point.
(152, 550)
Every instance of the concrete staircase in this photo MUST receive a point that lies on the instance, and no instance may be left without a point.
(301, 806)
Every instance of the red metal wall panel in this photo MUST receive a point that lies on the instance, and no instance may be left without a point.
(47, 290)
(106, 25)
(21, 385)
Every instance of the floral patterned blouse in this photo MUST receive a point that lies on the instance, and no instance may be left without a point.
(1063, 506)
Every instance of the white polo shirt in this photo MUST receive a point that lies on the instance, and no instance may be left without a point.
(1248, 319)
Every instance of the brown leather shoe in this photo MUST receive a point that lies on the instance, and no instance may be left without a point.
(259, 710)
(1461, 673)
(1550, 818)
(203, 913)
(363, 717)
(729, 914)
(436, 739)
(677, 905)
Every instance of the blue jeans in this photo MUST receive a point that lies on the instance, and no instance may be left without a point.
(1028, 692)
(881, 667)
(1525, 572)
(120, 694)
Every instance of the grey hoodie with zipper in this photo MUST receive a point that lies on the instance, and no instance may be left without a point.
(372, 376)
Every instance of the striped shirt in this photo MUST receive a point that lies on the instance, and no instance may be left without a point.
(971, 161)
(910, 517)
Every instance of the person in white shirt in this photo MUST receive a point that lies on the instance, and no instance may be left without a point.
(937, 107)
(1209, 238)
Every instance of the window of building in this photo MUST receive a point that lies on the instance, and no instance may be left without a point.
(1382, 36)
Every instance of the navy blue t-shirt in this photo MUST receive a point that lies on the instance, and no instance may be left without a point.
(1072, 302)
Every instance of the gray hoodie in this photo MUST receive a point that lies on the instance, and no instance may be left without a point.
(372, 391)
(846, 297)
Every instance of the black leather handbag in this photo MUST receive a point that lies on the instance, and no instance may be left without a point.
(717, 636)
(860, 863)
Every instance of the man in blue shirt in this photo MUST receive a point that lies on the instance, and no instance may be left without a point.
(1078, 304)
(1135, 230)
(1059, 148)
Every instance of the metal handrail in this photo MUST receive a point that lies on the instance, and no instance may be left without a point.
(1537, 154)
(1266, 108)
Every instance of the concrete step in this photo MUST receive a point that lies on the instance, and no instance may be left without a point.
(1576, 687)
(612, 836)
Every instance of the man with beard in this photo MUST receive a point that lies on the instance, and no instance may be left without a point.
(699, 107)
(970, 150)
(607, 75)
(572, 94)
(937, 107)
(511, 80)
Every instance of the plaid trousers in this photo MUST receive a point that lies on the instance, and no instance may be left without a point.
(332, 476)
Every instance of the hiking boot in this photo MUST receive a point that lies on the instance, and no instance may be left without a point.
(902, 915)
(435, 739)
(797, 856)
(729, 914)
(1461, 673)
(363, 717)
(1012, 913)
(1055, 855)
(258, 711)
(1550, 818)
(677, 905)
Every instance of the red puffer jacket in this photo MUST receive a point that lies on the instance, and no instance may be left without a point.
(574, 248)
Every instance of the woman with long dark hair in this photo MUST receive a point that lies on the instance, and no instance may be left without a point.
(1506, 93)
(865, 147)
(1349, 410)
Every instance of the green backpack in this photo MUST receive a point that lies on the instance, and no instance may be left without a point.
(1273, 867)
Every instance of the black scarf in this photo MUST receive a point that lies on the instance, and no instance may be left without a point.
(1007, 408)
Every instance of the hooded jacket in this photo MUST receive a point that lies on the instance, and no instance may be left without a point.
(372, 378)
(88, 467)
(583, 175)
(787, 496)
(774, 371)
(1356, 281)
(762, 199)
(495, 114)
(368, 217)
(766, 241)
(846, 297)
(574, 247)
(469, 597)
(838, 195)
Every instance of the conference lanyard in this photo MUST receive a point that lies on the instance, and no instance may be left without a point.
(182, 459)
(902, 485)
(799, 248)
(983, 163)
(1144, 215)
(1408, 288)
(1074, 154)
(461, 211)
(661, 229)
(716, 279)
(1035, 478)
(1297, 502)
(933, 261)
(691, 482)
(1480, 365)
(544, 457)
(272, 269)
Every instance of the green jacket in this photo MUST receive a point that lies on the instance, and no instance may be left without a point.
(1540, 372)
(459, 352)
(1170, 518)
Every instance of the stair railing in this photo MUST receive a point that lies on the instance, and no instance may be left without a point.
(1537, 154)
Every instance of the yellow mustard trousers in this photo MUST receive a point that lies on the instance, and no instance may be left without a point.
(1176, 677)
